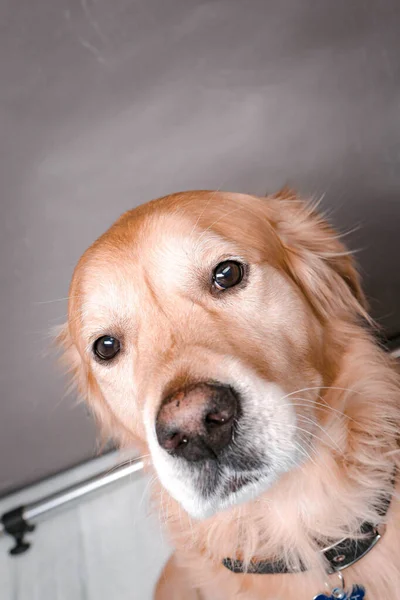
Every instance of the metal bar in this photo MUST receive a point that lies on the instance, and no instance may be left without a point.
(37, 510)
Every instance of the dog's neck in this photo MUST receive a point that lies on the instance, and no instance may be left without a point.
(328, 497)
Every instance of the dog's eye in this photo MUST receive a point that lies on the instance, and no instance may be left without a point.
(106, 347)
(227, 274)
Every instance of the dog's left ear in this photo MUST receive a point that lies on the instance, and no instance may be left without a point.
(317, 260)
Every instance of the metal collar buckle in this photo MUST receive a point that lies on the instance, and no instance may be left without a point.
(346, 552)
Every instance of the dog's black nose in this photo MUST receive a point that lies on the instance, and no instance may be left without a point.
(197, 422)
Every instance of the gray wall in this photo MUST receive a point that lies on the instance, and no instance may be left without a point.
(105, 104)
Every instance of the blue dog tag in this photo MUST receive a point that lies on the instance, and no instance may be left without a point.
(356, 593)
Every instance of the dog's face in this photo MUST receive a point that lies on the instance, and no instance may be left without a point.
(197, 328)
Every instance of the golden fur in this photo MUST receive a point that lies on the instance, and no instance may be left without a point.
(303, 323)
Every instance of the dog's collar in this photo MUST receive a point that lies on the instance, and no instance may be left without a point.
(338, 555)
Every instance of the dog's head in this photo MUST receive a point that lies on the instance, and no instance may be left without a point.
(198, 328)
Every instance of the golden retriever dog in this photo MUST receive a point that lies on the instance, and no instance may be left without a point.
(227, 337)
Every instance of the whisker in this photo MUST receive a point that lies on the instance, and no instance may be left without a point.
(51, 301)
(146, 489)
(313, 435)
(328, 387)
(305, 453)
(315, 406)
(57, 299)
(307, 420)
(127, 462)
(325, 407)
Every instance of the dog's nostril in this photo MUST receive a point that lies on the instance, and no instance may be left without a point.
(175, 441)
(216, 419)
